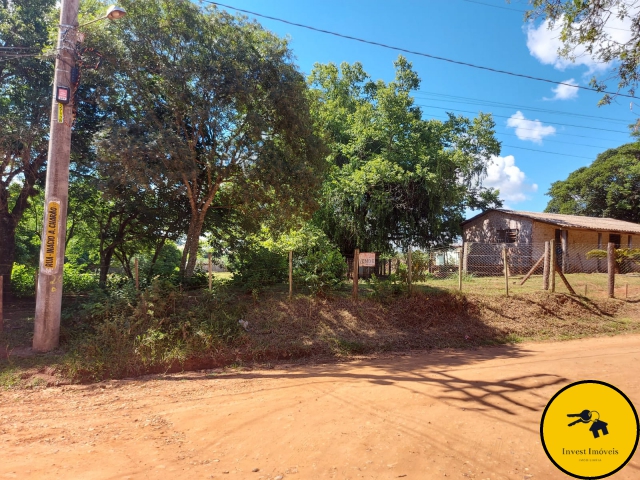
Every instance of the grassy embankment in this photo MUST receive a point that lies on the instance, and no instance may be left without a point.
(166, 330)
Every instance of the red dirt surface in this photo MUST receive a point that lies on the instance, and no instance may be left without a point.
(449, 414)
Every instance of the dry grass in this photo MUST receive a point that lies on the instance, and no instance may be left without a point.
(339, 326)
(432, 318)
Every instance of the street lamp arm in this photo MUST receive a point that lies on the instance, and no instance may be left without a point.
(114, 12)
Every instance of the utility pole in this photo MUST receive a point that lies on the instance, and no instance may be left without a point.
(49, 289)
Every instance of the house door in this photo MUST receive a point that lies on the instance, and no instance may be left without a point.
(558, 247)
(615, 238)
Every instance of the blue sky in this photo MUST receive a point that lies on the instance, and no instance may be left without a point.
(540, 144)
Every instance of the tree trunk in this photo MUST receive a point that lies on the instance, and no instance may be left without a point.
(105, 264)
(190, 252)
(156, 254)
(7, 250)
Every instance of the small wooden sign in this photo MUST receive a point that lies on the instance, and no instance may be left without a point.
(367, 259)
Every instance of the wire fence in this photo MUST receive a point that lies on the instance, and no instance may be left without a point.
(482, 268)
(486, 268)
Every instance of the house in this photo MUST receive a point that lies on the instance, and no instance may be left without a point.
(525, 233)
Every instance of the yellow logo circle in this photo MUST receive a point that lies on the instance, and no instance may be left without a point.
(589, 429)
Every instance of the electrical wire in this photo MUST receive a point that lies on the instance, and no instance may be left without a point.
(528, 120)
(490, 103)
(421, 54)
(515, 10)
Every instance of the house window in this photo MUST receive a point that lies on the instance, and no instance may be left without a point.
(508, 235)
(615, 238)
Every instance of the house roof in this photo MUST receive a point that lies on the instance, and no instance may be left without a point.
(571, 221)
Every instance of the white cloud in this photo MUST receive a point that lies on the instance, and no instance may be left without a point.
(503, 174)
(565, 92)
(533, 130)
(544, 43)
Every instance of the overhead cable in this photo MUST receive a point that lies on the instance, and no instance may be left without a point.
(421, 54)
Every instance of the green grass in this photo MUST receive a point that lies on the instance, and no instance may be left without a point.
(222, 275)
(9, 377)
(597, 285)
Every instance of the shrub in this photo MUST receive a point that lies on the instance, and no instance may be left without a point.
(23, 280)
(384, 290)
(119, 333)
(76, 279)
(255, 266)
(320, 267)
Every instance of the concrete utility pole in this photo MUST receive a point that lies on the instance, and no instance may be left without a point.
(49, 289)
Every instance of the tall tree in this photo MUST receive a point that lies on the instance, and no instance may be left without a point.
(25, 95)
(396, 179)
(609, 187)
(215, 106)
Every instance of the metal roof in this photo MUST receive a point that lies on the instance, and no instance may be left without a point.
(571, 221)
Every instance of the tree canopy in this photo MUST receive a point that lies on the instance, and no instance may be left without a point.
(25, 92)
(609, 187)
(587, 24)
(212, 107)
(395, 178)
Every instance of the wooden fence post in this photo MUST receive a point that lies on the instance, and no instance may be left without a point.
(1, 303)
(585, 289)
(290, 274)
(356, 254)
(545, 271)
(552, 265)
(461, 254)
(210, 271)
(135, 263)
(465, 257)
(611, 268)
(506, 268)
(409, 269)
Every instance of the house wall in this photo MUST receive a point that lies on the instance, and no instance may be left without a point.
(484, 229)
(579, 242)
(529, 246)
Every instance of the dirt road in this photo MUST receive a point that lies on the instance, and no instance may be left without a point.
(466, 414)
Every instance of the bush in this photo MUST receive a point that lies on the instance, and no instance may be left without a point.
(120, 333)
(320, 267)
(255, 266)
(384, 290)
(23, 280)
(77, 280)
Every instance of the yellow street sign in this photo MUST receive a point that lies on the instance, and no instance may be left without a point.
(51, 235)
(60, 113)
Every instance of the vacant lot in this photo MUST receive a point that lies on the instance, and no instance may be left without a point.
(304, 327)
(447, 414)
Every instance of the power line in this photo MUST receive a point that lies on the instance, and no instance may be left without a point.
(526, 119)
(498, 134)
(546, 151)
(491, 103)
(496, 6)
(422, 54)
